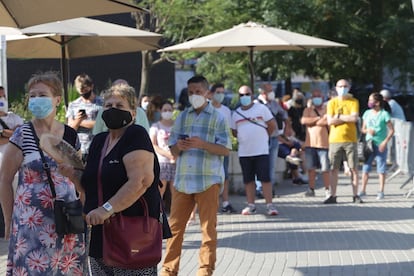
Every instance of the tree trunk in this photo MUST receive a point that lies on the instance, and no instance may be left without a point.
(146, 61)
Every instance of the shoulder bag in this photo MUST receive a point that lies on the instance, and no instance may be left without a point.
(365, 148)
(130, 242)
(68, 215)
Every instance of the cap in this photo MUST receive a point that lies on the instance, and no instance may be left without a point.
(386, 93)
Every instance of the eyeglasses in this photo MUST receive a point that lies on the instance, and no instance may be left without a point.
(247, 94)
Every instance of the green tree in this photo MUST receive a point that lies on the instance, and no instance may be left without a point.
(378, 33)
(178, 21)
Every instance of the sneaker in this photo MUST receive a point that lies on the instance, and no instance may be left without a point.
(330, 200)
(310, 193)
(228, 209)
(380, 196)
(271, 210)
(357, 199)
(361, 194)
(293, 160)
(327, 193)
(249, 210)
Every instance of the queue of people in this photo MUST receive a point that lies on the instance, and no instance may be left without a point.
(140, 148)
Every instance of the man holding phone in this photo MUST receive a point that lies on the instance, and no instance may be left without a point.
(82, 112)
(199, 139)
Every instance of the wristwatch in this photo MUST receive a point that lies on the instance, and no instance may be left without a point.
(108, 207)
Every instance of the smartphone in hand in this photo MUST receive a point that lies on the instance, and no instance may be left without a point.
(83, 112)
(182, 136)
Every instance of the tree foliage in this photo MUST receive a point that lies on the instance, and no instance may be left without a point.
(378, 33)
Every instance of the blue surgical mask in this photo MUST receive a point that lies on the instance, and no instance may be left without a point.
(218, 97)
(41, 107)
(245, 100)
(342, 91)
(317, 101)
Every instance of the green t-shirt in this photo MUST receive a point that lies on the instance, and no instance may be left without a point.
(377, 122)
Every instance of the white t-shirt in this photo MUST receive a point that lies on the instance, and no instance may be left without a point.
(253, 139)
(161, 133)
(12, 121)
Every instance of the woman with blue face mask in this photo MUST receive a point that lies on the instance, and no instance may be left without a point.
(35, 247)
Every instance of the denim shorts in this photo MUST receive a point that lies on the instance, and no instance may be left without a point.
(253, 166)
(380, 158)
(317, 158)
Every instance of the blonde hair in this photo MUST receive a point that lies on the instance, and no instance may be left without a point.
(49, 78)
(121, 90)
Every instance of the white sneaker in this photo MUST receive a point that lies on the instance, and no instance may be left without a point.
(249, 210)
(293, 160)
(380, 196)
(271, 210)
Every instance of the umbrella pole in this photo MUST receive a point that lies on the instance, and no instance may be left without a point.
(64, 70)
(251, 68)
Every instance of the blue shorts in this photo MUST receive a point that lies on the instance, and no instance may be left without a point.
(380, 158)
(253, 166)
(317, 158)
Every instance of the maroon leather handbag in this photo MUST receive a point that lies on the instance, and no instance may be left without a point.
(132, 242)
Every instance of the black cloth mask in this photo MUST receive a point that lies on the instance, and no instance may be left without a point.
(115, 118)
(86, 95)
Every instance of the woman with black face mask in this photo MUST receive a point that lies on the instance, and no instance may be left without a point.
(123, 163)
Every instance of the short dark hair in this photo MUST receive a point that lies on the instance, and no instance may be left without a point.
(198, 79)
(215, 86)
(84, 79)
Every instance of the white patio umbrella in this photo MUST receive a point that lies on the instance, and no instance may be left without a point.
(77, 38)
(250, 37)
(24, 13)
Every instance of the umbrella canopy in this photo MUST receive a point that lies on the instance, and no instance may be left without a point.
(252, 36)
(76, 38)
(24, 13)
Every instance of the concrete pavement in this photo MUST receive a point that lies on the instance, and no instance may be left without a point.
(309, 238)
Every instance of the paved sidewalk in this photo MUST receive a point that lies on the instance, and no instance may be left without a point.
(309, 238)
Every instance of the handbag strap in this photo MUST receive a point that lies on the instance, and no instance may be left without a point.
(250, 120)
(46, 166)
(99, 180)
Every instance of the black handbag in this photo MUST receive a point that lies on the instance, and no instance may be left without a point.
(68, 215)
(365, 147)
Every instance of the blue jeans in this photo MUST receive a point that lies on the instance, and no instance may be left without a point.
(380, 158)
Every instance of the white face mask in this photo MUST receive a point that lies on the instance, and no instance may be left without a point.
(167, 115)
(197, 101)
(144, 105)
(342, 91)
(271, 96)
(4, 106)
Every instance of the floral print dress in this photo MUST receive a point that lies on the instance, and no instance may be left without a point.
(35, 248)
